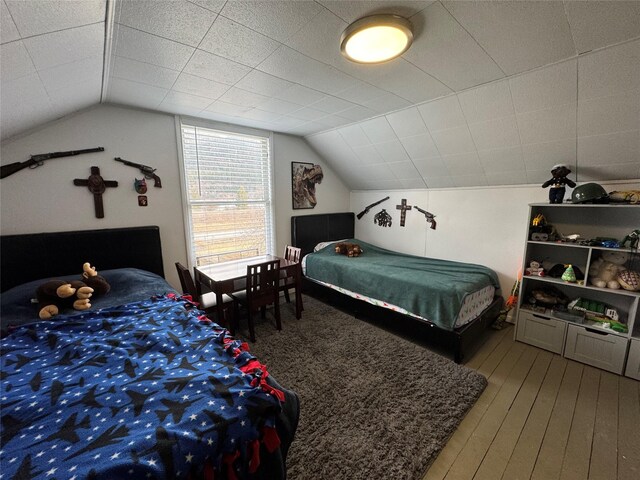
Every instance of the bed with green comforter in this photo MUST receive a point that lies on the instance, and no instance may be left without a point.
(432, 289)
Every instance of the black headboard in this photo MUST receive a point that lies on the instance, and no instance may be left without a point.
(33, 256)
(309, 230)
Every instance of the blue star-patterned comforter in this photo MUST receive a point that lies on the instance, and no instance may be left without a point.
(149, 389)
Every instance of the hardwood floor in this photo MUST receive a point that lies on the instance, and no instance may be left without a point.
(543, 417)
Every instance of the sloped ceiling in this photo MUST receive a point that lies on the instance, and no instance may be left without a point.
(491, 93)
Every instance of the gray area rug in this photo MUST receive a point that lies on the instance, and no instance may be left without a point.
(373, 405)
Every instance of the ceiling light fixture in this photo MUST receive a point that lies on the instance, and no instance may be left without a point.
(376, 39)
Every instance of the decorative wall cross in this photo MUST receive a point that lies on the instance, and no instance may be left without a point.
(96, 185)
(403, 207)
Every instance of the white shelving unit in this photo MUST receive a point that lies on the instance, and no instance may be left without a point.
(588, 342)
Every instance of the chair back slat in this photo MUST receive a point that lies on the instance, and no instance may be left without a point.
(186, 281)
(262, 283)
(292, 253)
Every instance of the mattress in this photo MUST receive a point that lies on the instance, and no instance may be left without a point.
(447, 294)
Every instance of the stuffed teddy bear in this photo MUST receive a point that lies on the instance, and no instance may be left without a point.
(604, 271)
(348, 249)
(56, 295)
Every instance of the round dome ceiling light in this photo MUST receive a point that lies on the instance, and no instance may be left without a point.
(376, 39)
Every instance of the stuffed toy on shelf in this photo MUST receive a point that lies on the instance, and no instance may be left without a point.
(558, 182)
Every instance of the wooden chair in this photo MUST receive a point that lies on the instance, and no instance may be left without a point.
(207, 301)
(262, 290)
(287, 280)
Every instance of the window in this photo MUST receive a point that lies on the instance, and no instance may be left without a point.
(228, 191)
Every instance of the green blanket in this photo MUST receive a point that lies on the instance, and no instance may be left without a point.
(431, 288)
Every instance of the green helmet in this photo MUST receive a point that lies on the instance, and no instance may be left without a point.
(589, 193)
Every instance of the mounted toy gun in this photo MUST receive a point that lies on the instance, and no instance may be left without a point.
(36, 161)
(147, 171)
(429, 216)
(369, 207)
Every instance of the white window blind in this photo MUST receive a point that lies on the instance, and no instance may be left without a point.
(228, 183)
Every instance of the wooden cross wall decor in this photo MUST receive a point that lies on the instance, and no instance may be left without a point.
(96, 185)
(403, 207)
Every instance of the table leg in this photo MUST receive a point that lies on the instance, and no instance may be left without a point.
(298, 278)
(220, 310)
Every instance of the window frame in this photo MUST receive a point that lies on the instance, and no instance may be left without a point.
(228, 128)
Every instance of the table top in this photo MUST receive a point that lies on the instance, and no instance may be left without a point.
(235, 269)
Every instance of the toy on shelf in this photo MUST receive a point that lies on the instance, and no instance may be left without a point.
(569, 275)
(632, 238)
(629, 280)
(535, 268)
(599, 312)
(547, 296)
(558, 182)
(604, 271)
(557, 270)
(627, 196)
(540, 230)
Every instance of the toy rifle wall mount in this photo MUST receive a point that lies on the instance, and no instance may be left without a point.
(429, 216)
(369, 207)
(36, 161)
(146, 170)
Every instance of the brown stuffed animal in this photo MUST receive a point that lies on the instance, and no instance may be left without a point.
(56, 295)
(348, 249)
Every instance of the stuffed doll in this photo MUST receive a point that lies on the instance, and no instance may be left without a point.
(56, 295)
(558, 182)
(604, 271)
(348, 249)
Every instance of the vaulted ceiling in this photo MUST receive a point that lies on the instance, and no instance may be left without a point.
(490, 93)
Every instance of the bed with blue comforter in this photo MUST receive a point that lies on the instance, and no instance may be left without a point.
(142, 385)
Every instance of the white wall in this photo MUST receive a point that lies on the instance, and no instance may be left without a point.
(45, 199)
(477, 225)
(332, 195)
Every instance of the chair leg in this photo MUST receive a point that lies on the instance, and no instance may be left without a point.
(252, 331)
(276, 308)
(263, 312)
(286, 295)
(234, 320)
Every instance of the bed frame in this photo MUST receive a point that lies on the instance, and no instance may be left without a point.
(309, 230)
(28, 257)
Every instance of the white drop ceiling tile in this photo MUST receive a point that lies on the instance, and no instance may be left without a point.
(410, 183)
(144, 47)
(66, 46)
(442, 114)
(386, 103)
(543, 156)
(487, 102)
(446, 51)
(216, 68)
(506, 178)
(304, 129)
(177, 109)
(8, 30)
(181, 21)
(133, 93)
(143, 72)
(498, 133)
(36, 18)
(237, 42)
(354, 136)
(392, 152)
(547, 125)
(243, 98)
(263, 84)
(76, 96)
(540, 176)
(87, 70)
(519, 36)
(599, 173)
(276, 105)
(225, 108)
(332, 121)
(15, 61)
(545, 87)
(332, 104)
(276, 19)
(420, 146)
(257, 114)
(614, 148)
(615, 113)
(404, 170)
(378, 130)
(463, 164)
(14, 122)
(301, 95)
(454, 141)
(23, 97)
(357, 113)
(381, 171)
(610, 71)
(312, 40)
(478, 180)
(596, 24)
(298, 68)
(368, 155)
(502, 160)
(213, 5)
(431, 167)
(407, 123)
(439, 182)
(199, 86)
(308, 114)
(350, 10)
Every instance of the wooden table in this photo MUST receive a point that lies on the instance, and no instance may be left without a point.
(228, 277)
